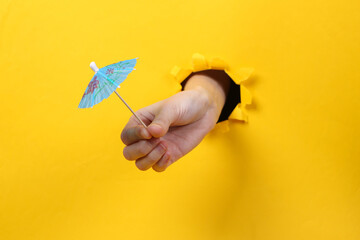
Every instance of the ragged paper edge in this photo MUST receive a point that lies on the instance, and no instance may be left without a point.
(239, 76)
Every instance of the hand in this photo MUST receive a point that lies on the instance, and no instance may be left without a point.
(175, 125)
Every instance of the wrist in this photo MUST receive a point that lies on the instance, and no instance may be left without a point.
(213, 86)
(204, 95)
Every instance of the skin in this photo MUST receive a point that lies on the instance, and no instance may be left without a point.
(177, 124)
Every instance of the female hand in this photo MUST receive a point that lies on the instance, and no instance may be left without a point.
(175, 125)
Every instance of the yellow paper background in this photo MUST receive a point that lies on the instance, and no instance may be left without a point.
(292, 172)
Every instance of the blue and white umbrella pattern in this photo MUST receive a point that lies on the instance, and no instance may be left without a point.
(105, 81)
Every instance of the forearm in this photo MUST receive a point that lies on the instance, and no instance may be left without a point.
(215, 84)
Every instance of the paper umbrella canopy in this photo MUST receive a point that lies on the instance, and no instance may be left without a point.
(105, 81)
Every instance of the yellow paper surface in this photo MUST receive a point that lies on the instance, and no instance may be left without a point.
(290, 172)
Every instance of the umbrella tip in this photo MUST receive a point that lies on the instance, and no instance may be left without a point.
(94, 67)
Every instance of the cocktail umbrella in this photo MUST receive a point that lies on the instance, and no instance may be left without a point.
(105, 81)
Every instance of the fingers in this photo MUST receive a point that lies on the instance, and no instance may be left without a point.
(154, 156)
(140, 148)
(163, 163)
(162, 121)
(134, 134)
(147, 153)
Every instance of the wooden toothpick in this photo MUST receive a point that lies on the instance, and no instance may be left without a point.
(130, 109)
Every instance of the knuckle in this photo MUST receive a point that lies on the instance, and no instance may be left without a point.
(141, 166)
(122, 137)
(144, 149)
(138, 131)
(152, 158)
(126, 154)
(156, 168)
(149, 144)
(125, 136)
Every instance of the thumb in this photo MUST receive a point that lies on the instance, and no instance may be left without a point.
(161, 123)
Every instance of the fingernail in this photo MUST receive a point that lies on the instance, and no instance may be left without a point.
(145, 133)
(158, 126)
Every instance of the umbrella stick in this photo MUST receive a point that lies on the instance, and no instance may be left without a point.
(130, 109)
